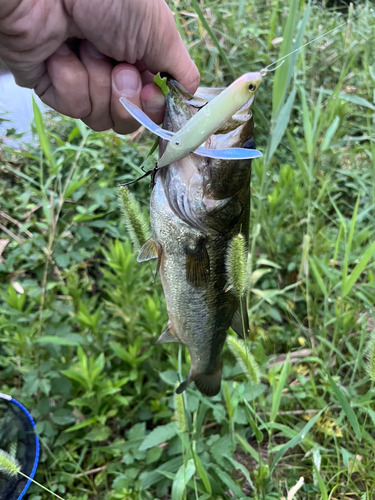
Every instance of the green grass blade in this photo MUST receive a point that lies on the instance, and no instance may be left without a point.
(44, 142)
(306, 121)
(330, 133)
(183, 476)
(357, 270)
(348, 410)
(322, 486)
(282, 80)
(279, 127)
(295, 440)
(201, 471)
(279, 388)
(298, 157)
(349, 245)
(318, 277)
(215, 41)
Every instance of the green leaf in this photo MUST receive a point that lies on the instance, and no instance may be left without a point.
(202, 19)
(348, 410)
(283, 73)
(228, 481)
(159, 435)
(295, 440)
(330, 133)
(322, 486)
(73, 186)
(100, 433)
(276, 399)
(183, 476)
(72, 339)
(318, 277)
(358, 270)
(349, 244)
(355, 99)
(82, 425)
(63, 417)
(241, 468)
(279, 127)
(201, 471)
(44, 142)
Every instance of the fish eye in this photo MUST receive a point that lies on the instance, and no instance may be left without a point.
(252, 87)
(177, 143)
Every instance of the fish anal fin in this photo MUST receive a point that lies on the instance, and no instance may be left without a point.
(197, 265)
(240, 322)
(167, 335)
(148, 251)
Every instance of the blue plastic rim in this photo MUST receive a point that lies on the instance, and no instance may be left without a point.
(37, 444)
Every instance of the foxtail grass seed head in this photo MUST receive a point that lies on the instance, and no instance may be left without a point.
(135, 222)
(236, 264)
(371, 356)
(245, 359)
(8, 464)
(180, 415)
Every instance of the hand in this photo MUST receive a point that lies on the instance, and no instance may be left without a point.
(140, 35)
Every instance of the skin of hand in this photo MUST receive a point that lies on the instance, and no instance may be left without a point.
(123, 44)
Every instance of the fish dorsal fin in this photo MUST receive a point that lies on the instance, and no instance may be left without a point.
(167, 335)
(237, 324)
(197, 265)
(148, 251)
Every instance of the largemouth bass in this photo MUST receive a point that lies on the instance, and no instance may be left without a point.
(197, 205)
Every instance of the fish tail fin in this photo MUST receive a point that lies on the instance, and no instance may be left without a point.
(209, 383)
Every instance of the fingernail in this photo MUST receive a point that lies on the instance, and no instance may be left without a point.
(94, 52)
(127, 82)
(63, 50)
(156, 104)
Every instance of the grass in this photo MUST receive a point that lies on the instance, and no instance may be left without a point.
(79, 315)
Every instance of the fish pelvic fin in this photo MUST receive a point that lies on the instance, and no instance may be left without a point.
(167, 335)
(209, 383)
(182, 387)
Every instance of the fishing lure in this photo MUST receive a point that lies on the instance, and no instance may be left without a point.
(19, 440)
(203, 124)
(214, 114)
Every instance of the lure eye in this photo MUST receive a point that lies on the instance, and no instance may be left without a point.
(177, 143)
(252, 87)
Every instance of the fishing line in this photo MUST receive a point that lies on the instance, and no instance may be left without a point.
(18, 441)
(266, 69)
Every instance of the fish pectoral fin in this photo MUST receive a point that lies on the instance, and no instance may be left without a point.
(229, 154)
(241, 325)
(167, 335)
(197, 265)
(148, 251)
(144, 120)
